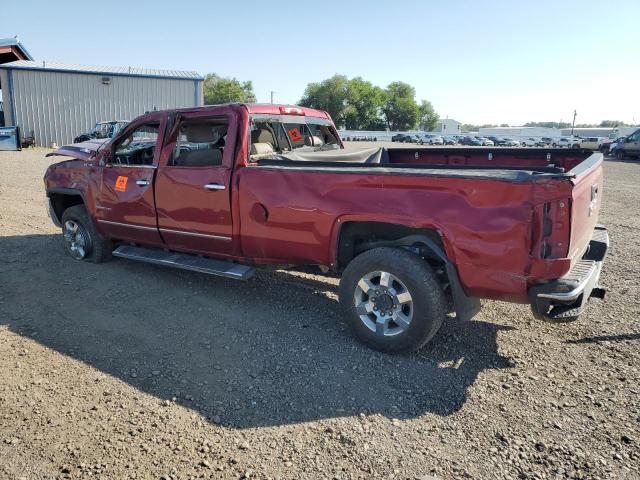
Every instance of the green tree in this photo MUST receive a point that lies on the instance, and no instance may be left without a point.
(223, 90)
(400, 108)
(428, 118)
(329, 95)
(364, 103)
(612, 123)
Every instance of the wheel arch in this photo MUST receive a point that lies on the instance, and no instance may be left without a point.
(62, 198)
(356, 236)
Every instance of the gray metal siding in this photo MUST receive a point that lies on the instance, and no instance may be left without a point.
(6, 98)
(58, 106)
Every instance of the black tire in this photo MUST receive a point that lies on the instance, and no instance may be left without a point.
(428, 305)
(97, 248)
(620, 154)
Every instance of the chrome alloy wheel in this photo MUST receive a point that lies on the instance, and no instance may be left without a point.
(75, 239)
(383, 303)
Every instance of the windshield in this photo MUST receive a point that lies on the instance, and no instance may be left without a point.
(282, 133)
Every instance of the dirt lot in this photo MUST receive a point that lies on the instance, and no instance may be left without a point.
(126, 370)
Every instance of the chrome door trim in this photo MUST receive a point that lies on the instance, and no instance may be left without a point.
(130, 225)
(122, 165)
(193, 234)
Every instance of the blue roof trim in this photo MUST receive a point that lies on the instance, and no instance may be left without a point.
(62, 68)
(7, 66)
(14, 42)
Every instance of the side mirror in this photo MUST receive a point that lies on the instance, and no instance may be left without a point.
(628, 140)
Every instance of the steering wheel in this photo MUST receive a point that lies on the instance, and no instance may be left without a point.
(147, 154)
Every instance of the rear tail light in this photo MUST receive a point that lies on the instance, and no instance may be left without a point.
(555, 229)
(291, 111)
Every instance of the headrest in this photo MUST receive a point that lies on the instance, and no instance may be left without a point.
(317, 142)
(199, 133)
(261, 149)
(262, 135)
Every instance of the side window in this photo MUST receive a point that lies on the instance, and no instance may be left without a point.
(323, 132)
(297, 133)
(200, 142)
(138, 147)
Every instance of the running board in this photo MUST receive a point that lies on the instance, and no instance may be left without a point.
(185, 261)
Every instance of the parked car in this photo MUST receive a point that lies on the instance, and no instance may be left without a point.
(511, 142)
(102, 130)
(192, 197)
(568, 142)
(592, 143)
(405, 138)
(629, 147)
(546, 141)
(498, 141)
(471, 141)
(528, 142)
(485, 141)
(612, 148)
(431, 139)
(449, 140)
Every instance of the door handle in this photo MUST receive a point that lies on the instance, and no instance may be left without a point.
(214, 186)
(142, 183)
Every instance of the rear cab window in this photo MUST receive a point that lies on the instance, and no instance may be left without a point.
(273, 134)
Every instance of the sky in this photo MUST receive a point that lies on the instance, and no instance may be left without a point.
(475, 61)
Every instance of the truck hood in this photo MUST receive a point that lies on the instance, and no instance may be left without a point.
(81, 151)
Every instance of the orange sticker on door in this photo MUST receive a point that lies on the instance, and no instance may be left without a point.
(295, 135)
(121, 184)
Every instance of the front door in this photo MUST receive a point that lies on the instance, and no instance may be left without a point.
(125, 209)
(193, 197)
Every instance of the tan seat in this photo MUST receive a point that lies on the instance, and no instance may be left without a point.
(200, 133)
(260, 150)
(263, 135)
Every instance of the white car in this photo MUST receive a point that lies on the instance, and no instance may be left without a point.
(431, 139)
(569, 142)
(510, 142)
(592, 143)
(528, 142)
(486, 142)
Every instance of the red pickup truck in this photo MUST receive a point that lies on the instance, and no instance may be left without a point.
(415, 233)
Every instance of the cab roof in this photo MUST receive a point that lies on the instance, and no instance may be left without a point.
(261, 108)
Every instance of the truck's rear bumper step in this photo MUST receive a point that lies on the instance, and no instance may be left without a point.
(562, 300)
(185, 261)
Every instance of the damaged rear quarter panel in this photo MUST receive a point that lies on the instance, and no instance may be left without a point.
(485, 224)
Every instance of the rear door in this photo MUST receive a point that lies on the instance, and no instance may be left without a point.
(193, 194)
(125, 208)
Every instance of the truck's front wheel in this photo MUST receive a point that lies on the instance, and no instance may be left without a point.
(392, 300)
(81, 240)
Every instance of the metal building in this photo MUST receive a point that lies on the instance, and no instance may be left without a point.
(55, 102)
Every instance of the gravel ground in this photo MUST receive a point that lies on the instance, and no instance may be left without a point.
(127, 370)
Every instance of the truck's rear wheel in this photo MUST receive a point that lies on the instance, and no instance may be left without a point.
(392, 300)
(81, 240)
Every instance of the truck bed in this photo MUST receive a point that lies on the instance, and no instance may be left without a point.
(510, 164)
(508, 217)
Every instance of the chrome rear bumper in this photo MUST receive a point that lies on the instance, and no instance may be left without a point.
(564, 299)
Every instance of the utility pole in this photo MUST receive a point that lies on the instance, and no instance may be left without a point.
(272, 92)
(573, 125)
